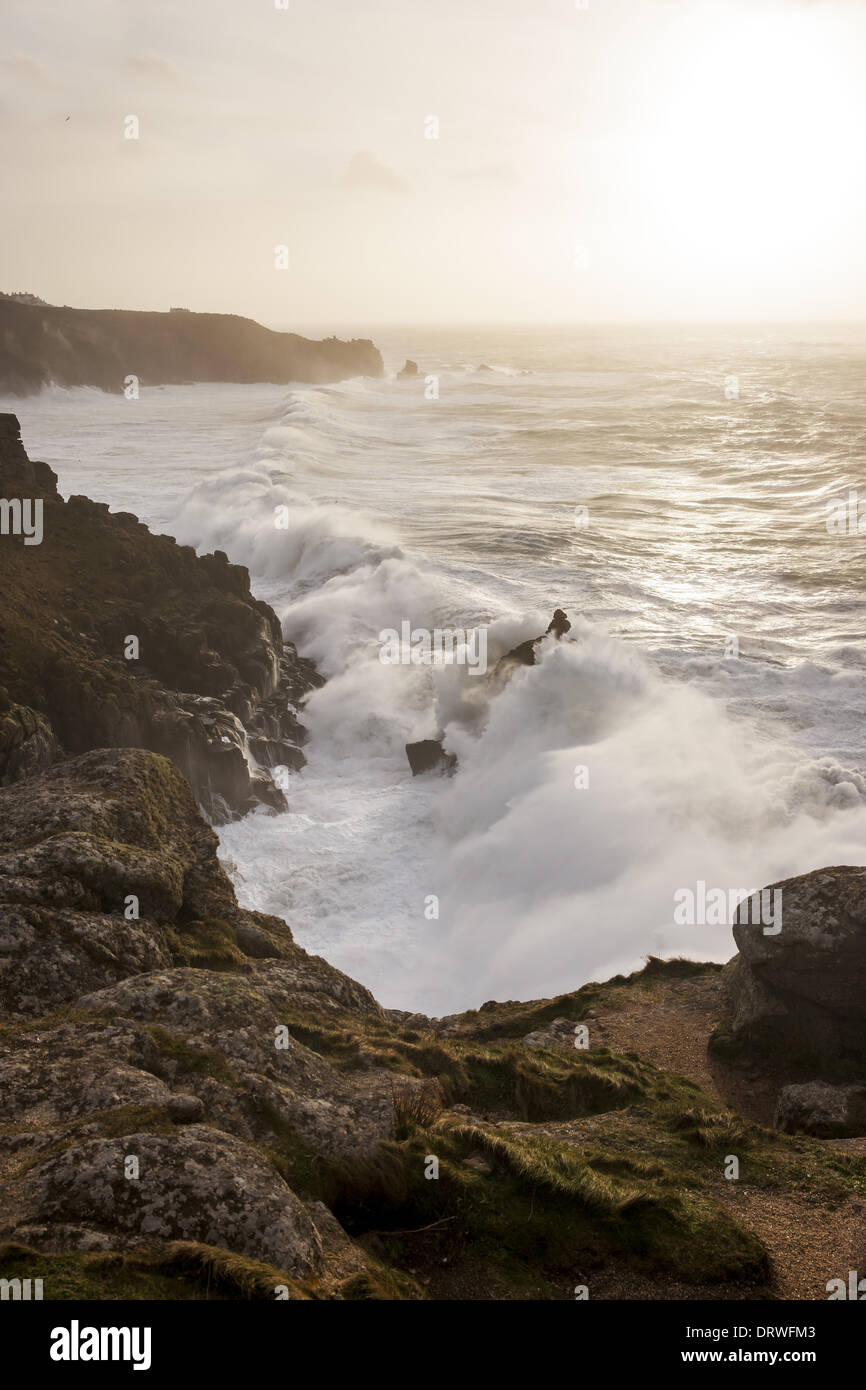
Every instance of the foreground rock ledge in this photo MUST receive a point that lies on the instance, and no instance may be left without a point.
(193, 1106)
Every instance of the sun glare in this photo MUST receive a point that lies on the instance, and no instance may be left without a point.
(750, 169)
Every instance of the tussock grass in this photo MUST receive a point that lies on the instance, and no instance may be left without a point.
(415, 1104)
(207, 945)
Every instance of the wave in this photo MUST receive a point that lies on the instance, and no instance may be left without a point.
(540, 883)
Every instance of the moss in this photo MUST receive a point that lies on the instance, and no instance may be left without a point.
(202, 1061)
(208, 945)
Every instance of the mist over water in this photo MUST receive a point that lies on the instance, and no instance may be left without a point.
(706, 522)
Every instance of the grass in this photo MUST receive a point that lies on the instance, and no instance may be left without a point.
(182, 1270)
(544, 1202)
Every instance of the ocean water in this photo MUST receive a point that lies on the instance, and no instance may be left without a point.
(669, 488)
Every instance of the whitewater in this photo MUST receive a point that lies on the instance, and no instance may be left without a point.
(704, 723)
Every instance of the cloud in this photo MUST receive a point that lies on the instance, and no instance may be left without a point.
(152, 65)
(364, 170)
(28, 68)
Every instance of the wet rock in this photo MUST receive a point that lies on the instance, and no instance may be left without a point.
(428, 755)
(526, 653)
(409, 369)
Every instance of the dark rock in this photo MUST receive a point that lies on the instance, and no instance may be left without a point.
(409, 369)
(526, 653)
(428, 755)
(185, 1110)
(212, 671)
(828, 1112)
(27, 743)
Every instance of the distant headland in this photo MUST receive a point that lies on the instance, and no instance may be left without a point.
(43, 344)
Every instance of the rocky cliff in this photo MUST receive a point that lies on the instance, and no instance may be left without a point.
(113, 637)
(44, 344)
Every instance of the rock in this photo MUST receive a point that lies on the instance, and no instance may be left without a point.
(526, 653)
(428, 755)
(81, 841)
(828, 1112)
(199, 1184)
(211, 673)
(801, 993)
(27, 743)
(409, 369)
(185, 1110)
(558, 1033)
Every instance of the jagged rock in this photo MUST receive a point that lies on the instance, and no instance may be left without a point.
(27, 742)
(829, 1112)
(212, 670)
(409, 369)
(82, 839)
(801, 993)
(428, 755)
(526, 653)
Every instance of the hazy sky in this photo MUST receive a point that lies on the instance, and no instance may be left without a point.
(637, 159)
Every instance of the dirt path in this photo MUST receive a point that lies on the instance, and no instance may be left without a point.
(669, 1022)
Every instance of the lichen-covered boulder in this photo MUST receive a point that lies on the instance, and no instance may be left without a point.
(828, 1112)
(799, 992)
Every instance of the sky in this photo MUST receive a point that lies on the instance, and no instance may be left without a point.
(437, 161)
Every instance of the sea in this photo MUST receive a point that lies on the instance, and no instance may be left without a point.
(693, 497)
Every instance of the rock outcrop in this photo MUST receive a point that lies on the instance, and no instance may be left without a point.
(428, 755)
(800, 992)
(829, 1112)
(408, 370)
(44, 344)
(526, 653)
(111, 636)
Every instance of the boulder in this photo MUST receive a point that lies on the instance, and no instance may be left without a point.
(828, 1112)
(198, 1184)
(800, 993)
(428, 755)
(409, 369)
